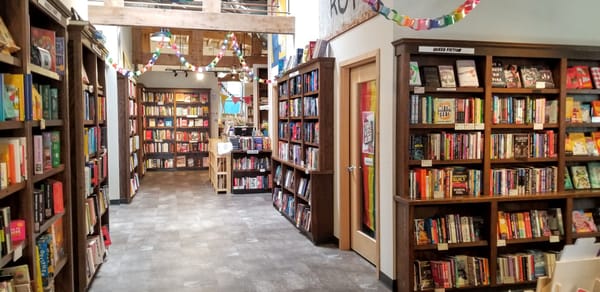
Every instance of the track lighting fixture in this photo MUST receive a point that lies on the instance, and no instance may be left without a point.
(163, 35)
(175, 73)
(186, 74)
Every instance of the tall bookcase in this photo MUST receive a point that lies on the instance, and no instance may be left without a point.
(176, 128)
(480, 171)
(129, 139)
(261, 96)
(36, 178)
(89, 153)
(303, 148)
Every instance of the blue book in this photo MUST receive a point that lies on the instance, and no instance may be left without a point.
(28, 84)
(2, 96)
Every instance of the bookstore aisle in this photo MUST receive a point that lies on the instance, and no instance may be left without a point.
(178, 235)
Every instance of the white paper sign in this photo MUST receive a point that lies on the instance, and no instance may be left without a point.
(446, 50)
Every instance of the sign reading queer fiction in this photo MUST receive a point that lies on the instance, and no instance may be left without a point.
(446, 50)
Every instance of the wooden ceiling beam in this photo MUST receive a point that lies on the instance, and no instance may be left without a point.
(173, 18)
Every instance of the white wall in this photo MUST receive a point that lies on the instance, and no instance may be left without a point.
(533, 21)
(360, 41)
(167, 80)
(307, 21)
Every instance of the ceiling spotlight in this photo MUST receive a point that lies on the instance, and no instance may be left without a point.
(199, 76)
(163, 35)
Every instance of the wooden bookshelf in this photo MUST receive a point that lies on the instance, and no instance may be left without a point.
(176, 128)
(308, 89)
(260, 92)
(20, 17)
(251, 165)
(89, 162)
(488, 198)
(130, 151)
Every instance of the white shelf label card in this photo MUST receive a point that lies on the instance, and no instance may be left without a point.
(426, 163)
(442, 246)
(252, 152)
(446, 50)
(439, 290)
(18, 252)
(501, 242)
(262, 170)
(469, 126)
(459, 126)
(554, 238)
(446, 89)
(480, 126)
(160, 103)
(540, 84)
(538, 126)
(42, 124)
(294, 74)
(368, 161)
(419, 90)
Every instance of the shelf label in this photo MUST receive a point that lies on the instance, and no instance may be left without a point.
(51, 9)
(459, 126)
(538, 126)
(368, 161)
(513, 192)
(18, 252)
(540, 84)
(554, 238)
(419, 89)
(307, 171)
(446, 50)
(294, 74)
(262, 170)
(160, 103)
(470, 126)
(442, 246)
(42, 124)
(192, 116)
(426, 163)
(446, 89)
(501, 242)
(439, 290)
(158, 140)
(252, 152)
(480, 126)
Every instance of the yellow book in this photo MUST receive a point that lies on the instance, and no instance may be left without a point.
(86, 151)
(16, 93)
(579, 143)
(38, 270)
(37, 104)
(569, 108)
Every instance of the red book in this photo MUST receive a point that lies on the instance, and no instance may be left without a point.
(527, 218)
(106, 236)
(57, 196)
(45, 39)
(583, 75)
(17, 231)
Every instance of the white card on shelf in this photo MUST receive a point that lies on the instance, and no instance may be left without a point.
(459, 126)
(554, 238)
(442, 246)
(470, 126)
(480, 126)
(252, 152)
(540, 84)
(160, 103)
(42, 124)
(501, 242)
(439, 290)
(419, 89)
(426, 163)
(538, 126)
(18, 252)
(262, 170)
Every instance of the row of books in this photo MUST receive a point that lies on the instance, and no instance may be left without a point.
(133, 162)
(284, 109)
(457, 271)
(284, 150)
(311, 81)
(50, 248)
(586, 220)
(583, 177)
(302, 216)
(96, 139)
(523, 180)
(48, 50)
(95, 252)
(251, 163)
(523, 145)
(577, 143)
(134, 184)
(158, 135)
(95, 206)
(445, 110)
(191, 147)
(47, 202)
(584, 77)
(191, 161)
(192, 111)
(284, 202)
(154, 163)
(158, 110)
(526, 266)
(530, 224)
(16, 278)
(446, 146)
(295, 85)
(22, 100)
(163, 97)
(9, 237)
(159, 122)
(443, 75)
(158, 147)
(439, 183)
(295, 131)
(452, 228)
(521, 76)
(13, 161)
(311, 106)
(133, 108)
(311, 158)
(582, 112)
(134, 143)
(251, 143)
(95, 171)
(191, 97)
(295, 109)
(191, 122)
(311, 132)
(46, 151)
(524, 110)
(190, 136)
(133, 128)
(304, 190)
(251, 183)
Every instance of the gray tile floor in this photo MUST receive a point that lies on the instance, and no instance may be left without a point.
(178, 235)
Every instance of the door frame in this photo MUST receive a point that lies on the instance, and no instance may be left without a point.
(344, 149)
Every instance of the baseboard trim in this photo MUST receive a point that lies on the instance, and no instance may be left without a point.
(387, 281)
(115, 202)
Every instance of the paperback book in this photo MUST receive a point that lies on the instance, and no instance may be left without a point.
(447, 76)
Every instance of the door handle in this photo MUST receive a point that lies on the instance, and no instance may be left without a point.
(351, 168)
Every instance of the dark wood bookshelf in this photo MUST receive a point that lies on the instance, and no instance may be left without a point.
(453, 245)
(319, 178)
(87, 53)
(557, 59)
(48, 222)
(249, 151)
(200, 158)
(20, 17)
(130, 147)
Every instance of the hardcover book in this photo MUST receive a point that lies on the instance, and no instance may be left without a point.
(583, 76)
(568, 181)
(7, 43)
(415, 75)
(572, 78)
(443, 110)
(528, 76)
(498, 78)
(595, 72)
(545, 74)
(579, 143)
(45, 39)
(586, 112)
(460, 181)
(420, 232)
(424, 275)
(511, 75)
(594, 173)
(521, 145)
(583, 221)
(595, 111)
(467, 73)
(580, 177)
(431, 76)
(447, 76)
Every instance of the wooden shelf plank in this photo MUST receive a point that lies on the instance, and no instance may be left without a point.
(8, 258)
(45, 72)
(525, 160)
(581, 158)
(11, 189)
(583, 125)
(10, 60)
(249, 191)
(89, 123)
(452, 245)
(522, 126)
(526, 90)
(48, 223)
(583, 91)
(529, 240)
(48, 173)
(11, 125)
(447, 162)
(586, 234)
